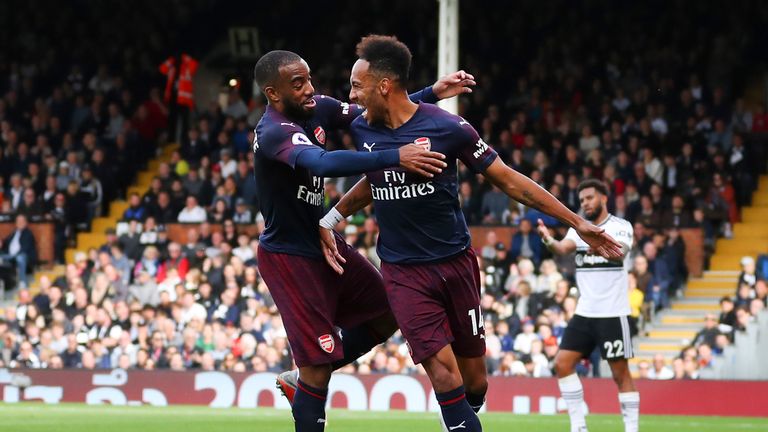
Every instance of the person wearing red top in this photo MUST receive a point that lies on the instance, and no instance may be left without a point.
(175, 261)
(760, 119)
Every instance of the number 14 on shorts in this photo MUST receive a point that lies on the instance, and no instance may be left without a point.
(476, 316)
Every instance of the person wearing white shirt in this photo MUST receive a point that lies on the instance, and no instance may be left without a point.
(192, 212)
(660, 371)
(228, 165)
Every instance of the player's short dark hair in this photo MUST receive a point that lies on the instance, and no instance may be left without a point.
(593, 183)
(267, 69)
(386, 55)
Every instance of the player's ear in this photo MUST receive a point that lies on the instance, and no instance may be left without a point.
(385, 85)
(271, 93)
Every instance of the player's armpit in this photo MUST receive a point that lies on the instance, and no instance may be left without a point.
(356, 198)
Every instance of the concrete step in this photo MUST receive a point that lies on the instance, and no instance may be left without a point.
(672, 334)
(139, 189)
(762, 183)
(145, 177)
(649, 349)
(117, 208)
(711, 283)
(742, 246)
(754, 214)
(751, 230)
(671, 320)
(693, 326)
(710, 293)
(721, 274)
(699, 307)
(760, 199)
(100, 224)
(153, 165)
(725, 262)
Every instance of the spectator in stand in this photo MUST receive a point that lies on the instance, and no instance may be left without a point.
(677, 216)
(495, 206)
(175, 261)
(163, 211)
(662, 276)
(20, 247)
(709, 333)
(748, 275)
(135, 210)
(660, 370)
(30, 206)
(526, 243)
(192, 212)
(242, 214)
(727, 312)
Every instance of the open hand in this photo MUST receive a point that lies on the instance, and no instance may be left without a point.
(331, 251)
(453, 85)
(420, 160)
(599, 241)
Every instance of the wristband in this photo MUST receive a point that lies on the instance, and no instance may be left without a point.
(331, 219)
(548, 241)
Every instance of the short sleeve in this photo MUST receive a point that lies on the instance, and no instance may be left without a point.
(472, 150)
(281, 142)
(623, 233)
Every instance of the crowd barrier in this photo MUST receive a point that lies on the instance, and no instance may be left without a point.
(370, 392)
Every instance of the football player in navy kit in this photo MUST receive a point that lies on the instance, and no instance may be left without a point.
(430, 272)
(319, 307)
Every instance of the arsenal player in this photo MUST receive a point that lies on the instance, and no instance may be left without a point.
(430, 272)
(330, 319)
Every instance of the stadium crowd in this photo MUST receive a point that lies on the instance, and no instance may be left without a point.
(646, 121)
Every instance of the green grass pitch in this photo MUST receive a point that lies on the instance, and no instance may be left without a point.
(30, 417)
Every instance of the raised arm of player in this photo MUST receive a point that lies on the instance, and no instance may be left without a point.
(354, 200)
(526, 191)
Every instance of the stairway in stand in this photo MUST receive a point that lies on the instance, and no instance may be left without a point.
(96, 237)
(676, 327)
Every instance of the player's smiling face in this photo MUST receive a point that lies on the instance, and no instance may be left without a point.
(296, 91)
(364, 91)
(593, 203)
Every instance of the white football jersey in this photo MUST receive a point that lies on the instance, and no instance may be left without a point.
(603, 284)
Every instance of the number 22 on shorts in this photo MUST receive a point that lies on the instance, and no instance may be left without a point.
(614, 349)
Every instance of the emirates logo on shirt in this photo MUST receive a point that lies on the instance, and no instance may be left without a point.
(320, 135)
(327, 343)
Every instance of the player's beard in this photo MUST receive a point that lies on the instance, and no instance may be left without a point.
(298, 112)
(594, 214)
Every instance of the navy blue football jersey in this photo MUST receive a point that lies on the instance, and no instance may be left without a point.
(420, 219)
(290, 196)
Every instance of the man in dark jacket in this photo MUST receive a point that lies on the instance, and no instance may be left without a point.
(19, 247)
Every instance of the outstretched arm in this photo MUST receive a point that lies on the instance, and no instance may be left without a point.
(342, 163)
(526, 191)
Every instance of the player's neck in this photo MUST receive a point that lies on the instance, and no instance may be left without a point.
(602, 218)
(400, 109)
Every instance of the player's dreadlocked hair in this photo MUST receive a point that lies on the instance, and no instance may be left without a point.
(593, 183)
(268, 67)
(386, 55)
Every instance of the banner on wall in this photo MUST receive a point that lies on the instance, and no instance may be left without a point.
(369, 392)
